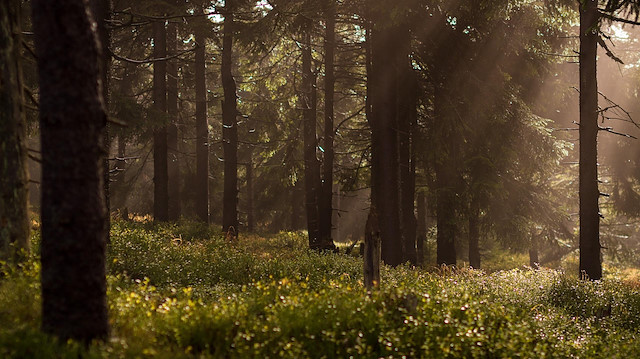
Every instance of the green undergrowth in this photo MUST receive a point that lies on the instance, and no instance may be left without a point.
(184, 291)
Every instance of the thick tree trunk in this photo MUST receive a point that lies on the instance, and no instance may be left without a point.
(160, 168)
(14, 178)
(325, 203)
(229, 129)
(72, 120)
(590, 264)
(445, 184)
(175, 207)
(311, 164)
(386, 67)
(202, 134)
(474, 234)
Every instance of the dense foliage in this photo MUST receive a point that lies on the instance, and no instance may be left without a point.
(183, 291)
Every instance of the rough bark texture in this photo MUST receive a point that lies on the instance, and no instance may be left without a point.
(590, 264)
(72, 120)
(202, 134)
(14, 179)
(311, 164)
(229, 129)
(175, 207)
(160, 169)
(474, 234)
(325, 203)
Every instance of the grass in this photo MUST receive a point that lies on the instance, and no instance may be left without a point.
(182, 291)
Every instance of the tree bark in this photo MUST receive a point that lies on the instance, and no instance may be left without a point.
(120, 165)
(445, 183)
(407, 121)
(534, 258)
(160, 165)
(311, 164)
(421, 229)
(325, 199)
(387, 64)
(372, 254)
(101, 10)
(175, 207)
(202, 134)
(72, 121)
(229, 128)
(250, 216)
(474, 234)
(14, 177)
(590, 262)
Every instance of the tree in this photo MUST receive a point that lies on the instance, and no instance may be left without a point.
(229, 127)
(72, 121)
(160, 165)
(175, 207)
(325, 203)
(311, 164)
(14, 178)
(101, 11)
(389, 60)
(590, 263)
(202, 132)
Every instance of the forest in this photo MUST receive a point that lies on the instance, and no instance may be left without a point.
(319, 179)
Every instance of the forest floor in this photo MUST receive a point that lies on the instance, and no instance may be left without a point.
(181, 290)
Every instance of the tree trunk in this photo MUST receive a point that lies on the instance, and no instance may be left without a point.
(118, 188)
(101, 10)
(311, 165)
(445, 183)
(119, 168)
(229, 129)
(534, 258)
(160, 168)
(72, 121)
(296, 197)
(175, 207)
(407, 121)
(383, 79)
(325, 203)
(14, 177)
(590, 264)
(421, 229)
(372, 251)
(474, 234)
(202, 134)
(250, 217)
